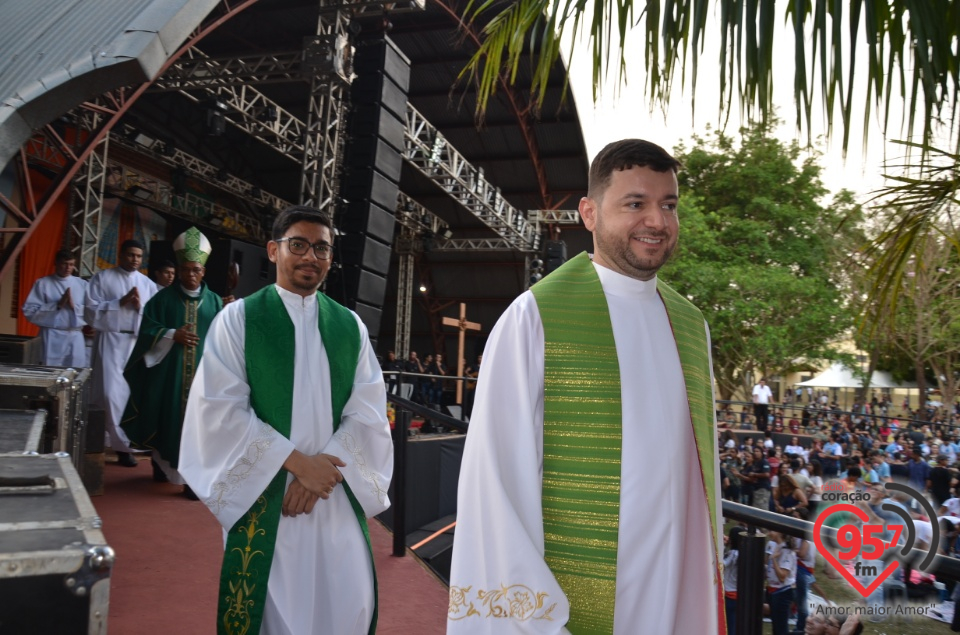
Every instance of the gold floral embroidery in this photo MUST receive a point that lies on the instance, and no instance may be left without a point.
(237, 618)
(350, 445)
(516, 601)
(239, 472)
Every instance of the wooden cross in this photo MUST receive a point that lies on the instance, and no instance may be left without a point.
(464, 326)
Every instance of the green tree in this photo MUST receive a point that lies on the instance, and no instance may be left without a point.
(909, 47)
(923, 324)
(758, 253)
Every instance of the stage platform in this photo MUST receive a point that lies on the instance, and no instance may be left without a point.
(168, 564)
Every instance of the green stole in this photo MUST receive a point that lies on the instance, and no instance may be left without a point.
(269, 349)
(582, 422)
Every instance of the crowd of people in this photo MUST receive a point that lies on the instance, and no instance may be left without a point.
(429, 390)
(852, 451)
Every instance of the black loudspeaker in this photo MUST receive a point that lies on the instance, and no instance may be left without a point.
(371, 177)
(378, 54)
(367, 217)
(256, 270)
(367, 184)
(374, 120)
(556, 254)
(367, 251)
(377, 87)
(370, 315)
(366, 151)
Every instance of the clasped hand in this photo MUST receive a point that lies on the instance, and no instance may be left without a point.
(132, 297)
(66, 300)
(315, 478)
(185, 335)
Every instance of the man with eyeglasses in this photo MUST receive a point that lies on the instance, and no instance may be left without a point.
(286, 441)
(165, 357)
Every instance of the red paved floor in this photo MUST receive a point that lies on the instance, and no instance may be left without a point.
(168, 564)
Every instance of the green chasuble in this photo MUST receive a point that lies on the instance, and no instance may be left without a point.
(269, 348)
(153, 418)
(582, 422)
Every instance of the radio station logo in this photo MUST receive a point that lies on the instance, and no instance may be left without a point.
(875, 549)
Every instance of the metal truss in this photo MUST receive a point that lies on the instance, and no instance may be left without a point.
(128, 136)
(407, 244)
(195, 71)
(328, 57)
(67, 160)
(88, 187)
(427, 150)
(255, 114)
(473, 244)
(160, 196)
(557, 216)
(416, 217)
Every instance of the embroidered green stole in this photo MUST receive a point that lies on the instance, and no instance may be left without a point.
(269, 349)
(582, 422)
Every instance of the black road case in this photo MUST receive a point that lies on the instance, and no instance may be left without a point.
(54, 562)
(62, 392)
(21, 431)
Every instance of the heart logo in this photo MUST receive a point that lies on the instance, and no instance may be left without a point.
(832, 559)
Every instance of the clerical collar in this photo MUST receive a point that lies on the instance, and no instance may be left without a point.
(615, 283)
(295, 299)
(193, 294)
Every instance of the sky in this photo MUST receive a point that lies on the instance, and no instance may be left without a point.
(627, 114)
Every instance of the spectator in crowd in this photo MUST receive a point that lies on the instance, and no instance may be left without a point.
(413, 365)
(730, 559)
(435, 386)
(758, 474)
(761, 400)
(781, 578)
(391, 366)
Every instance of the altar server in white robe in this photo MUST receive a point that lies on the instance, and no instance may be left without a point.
(55, 304)
(321, 578)
(665, 552)
(115, 300)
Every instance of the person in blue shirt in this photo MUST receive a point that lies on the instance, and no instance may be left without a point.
(881, 467)
(919, 471)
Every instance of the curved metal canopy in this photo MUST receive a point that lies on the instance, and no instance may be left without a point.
(62, 53)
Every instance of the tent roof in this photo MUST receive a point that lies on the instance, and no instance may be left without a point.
(60, 54)
(839, 376)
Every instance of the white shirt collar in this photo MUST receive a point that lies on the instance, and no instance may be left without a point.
(615, 283)
(193, 294)
(295, 300)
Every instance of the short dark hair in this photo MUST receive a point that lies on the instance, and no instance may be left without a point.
(298, 213)
(131, 243)
(854, 472)
(623, 155)
(166, 264)
(64, 255)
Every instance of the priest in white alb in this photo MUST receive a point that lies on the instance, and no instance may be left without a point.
(286, 440)
(114, 307)
(55, 304)
(589, 491)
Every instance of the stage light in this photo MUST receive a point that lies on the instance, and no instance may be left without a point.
(447, 233)
(423, 288)
(140, 193)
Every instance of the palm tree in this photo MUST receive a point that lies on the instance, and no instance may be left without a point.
(910, 48)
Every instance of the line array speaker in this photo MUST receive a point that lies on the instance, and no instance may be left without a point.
(371, 177)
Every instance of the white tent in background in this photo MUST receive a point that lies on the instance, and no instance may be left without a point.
(839, 376)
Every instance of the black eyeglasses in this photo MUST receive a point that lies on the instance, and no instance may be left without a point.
(299, 247)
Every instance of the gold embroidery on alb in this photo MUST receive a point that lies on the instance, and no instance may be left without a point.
(516, 601)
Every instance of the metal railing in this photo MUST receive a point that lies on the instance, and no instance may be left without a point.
(751, 574)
